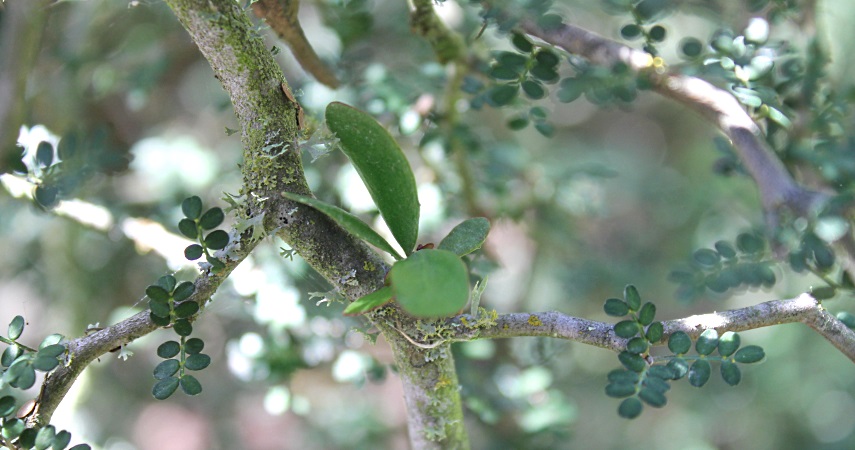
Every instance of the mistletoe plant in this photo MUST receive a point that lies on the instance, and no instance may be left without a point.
(432, 281)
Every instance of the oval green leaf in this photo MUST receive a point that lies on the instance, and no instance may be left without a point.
(466, 237)
(187, 227)
(182, 327)
(186, 309)
(654, 332)
(167, 282)
(430, 283)
(383, 168)
(679, 343)
(45, 363)
(16, 328)
(194, 346)
(168, 349)
(620, 390)
(193, 252)
(730, 373)
(647, 314)
(632, 297)
(728, 343)
(347, 221)
(616, 307)
(212, 218)
(653, 397)
(190, 385)
(707, 342)
(44, 437)
(183, 291)
(632, 361)
(217, 240)
(166, 369)
(7, 405)
(192, 207)
(700, 372)
(627, 328)
(368, 302)
(198, 361)
(164, 388)
(749, 354)
(630, 408)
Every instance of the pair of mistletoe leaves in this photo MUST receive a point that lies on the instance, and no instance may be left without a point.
(428, 282)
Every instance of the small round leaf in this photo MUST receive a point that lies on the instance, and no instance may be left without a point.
(632, 361)
(194, 346)
(730, 373)
(660, 372)
(168, 349)
(627, 328)
(186, 309)
(630, 408)
(164, 388)
(45, 363)
(166, 369)
(217, 240)
(157, 293)
(198, 361)
(61, 440)
(533, 89)
(45, 437)
(192, 207)
(502, 95)
(9, 356)
(749, 354)
(707, 342)
(167, 282)
(657, 33)
(212, 218)
(160, 321)
(630, 31)
(160, 309)
(728, 343)
(193, 252)
(616, 307)
(632, 297)
(679, 367)
(183, 327)
(623, 376)
(188, 228)
(620, 390)
(44, 154)
(183, 291)
(12, 428)
(679, 343)
(190, 385)
(706, 257)
(652, 397)
(647, 314)
(7, 405)
(699, 373)
(637, 345)
(654, 332)
(16, 327)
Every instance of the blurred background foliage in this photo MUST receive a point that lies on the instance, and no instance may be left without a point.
(619, 194)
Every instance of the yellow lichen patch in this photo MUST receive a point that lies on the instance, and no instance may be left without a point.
(368, 266)
(534, 321)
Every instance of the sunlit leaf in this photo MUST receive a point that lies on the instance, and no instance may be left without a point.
(383, 168)
(466, 237)
(369, 302)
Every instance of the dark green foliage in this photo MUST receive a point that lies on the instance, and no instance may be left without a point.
(644, 378)
(195, 223)
(748, 263)
(170, 304)
(18, 371)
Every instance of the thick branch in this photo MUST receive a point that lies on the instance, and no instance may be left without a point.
(281, 15)
(804, 309)
(269, 128)
(776, 185)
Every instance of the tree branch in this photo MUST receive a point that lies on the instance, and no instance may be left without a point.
(804, 309)
(776, 186)
(281, 15)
